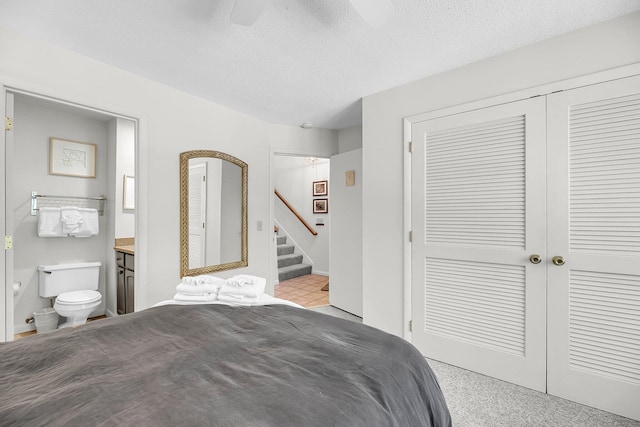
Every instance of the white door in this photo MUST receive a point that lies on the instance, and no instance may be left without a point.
(594, 224)
(478, 215)
(345, 248)
(197, 214)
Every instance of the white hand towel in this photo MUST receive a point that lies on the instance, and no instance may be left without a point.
(194, 298)
(203, 279)
(71, 219)
(207, 288)
(244, 285)
(89, 226)
(49, 224)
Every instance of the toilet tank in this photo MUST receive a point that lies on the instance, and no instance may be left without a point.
(60, 278)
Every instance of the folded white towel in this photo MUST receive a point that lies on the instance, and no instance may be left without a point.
(244, 286)
(89, 226)
(207, 288)
(49, 224)
(194, 298)
(246, 280)
(71, 219)
(202, 280)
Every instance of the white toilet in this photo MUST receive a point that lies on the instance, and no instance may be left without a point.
(76, 289)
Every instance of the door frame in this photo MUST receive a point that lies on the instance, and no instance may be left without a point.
(6, 318)
(273, 251)
(19, 86)
(572, 83)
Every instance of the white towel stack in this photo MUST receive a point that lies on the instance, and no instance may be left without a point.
(67, 221)
(242, 289)
(198, 288)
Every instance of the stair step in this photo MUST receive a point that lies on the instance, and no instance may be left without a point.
(285, 249)
(293, 271)
(290, 259)
(281, 240)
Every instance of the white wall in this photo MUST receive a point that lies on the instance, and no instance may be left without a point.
(350, 139)
(170, 122)
(294, 179)
(34, 123)
(345, 291)
(601, 47)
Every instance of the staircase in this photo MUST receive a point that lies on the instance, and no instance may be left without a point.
(289, 264)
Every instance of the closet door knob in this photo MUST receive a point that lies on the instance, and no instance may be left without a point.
(557, 260)
(535, 259)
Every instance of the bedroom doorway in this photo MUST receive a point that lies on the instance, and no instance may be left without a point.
(345, 212)
(302, 227)
(526, 241)
(36, 119)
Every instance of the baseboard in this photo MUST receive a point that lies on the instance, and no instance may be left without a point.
(320, 273)
(27, 327)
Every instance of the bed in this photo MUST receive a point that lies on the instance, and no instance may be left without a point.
(218, 365)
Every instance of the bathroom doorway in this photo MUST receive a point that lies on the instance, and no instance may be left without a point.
(42, 129)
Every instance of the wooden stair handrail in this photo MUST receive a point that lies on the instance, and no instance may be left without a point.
(293, 211)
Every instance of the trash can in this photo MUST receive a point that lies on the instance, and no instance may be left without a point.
(46, 320)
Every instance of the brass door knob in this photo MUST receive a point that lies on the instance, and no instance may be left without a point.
(535, 259)
(557, 260)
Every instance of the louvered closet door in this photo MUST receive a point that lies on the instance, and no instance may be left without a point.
(478, 213)
(594, 298)
(197, 214)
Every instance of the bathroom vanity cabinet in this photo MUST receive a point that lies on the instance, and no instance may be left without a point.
(125, 282)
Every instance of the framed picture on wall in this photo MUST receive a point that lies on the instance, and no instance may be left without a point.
(321, 206)
(320, 188)
(72, 158)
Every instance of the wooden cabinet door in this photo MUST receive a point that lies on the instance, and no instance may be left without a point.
(129, 287)
(120, 291)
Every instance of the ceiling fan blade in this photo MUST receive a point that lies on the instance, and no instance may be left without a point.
(246, 12)
(374, 12)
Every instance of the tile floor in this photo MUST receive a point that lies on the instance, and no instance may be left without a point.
(304, 290)
(29, 333)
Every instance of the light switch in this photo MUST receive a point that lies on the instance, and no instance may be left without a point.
(350, 178)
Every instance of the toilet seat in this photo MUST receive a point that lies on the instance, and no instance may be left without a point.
(78, 297)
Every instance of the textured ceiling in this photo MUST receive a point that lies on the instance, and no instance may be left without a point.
(303, 60)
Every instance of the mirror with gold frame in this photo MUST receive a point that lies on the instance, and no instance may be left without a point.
(213, 212)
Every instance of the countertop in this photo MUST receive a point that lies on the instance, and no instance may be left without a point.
(125, 244)
(129, 249)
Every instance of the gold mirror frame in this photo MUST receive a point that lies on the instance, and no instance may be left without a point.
(184, 213)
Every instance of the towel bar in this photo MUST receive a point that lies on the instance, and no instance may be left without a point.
(42, 200)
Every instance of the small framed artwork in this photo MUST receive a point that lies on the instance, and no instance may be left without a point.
(72, 158)
(320, 188)
(128, 193)
(320, 206)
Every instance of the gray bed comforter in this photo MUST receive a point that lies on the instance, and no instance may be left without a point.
(214, 365)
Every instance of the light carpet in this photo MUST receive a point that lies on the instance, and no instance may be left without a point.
(477, 400)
